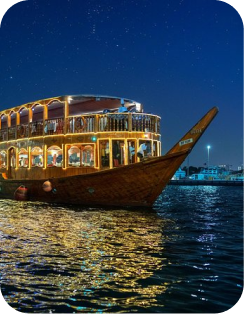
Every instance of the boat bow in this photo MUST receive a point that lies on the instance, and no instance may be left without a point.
(189, 140)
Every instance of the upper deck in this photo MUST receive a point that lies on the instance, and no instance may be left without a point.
(73, 135)
(75, 114)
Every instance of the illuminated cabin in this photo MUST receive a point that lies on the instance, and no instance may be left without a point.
(72, 135)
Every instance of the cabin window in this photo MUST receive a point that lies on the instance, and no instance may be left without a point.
(118, 153)
(144, 149)
(81, 155)
(104, 153)
(155, 149)
(12, 157)
(74, 156)
(37, 157)
(131, 151)
(87, 155)
(3, 159)
(54, 156)
(23, 159)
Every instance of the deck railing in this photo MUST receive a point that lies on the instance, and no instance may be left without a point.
(36, 128)
(113, 122)
(23, 130)
(137, 122)
(110, 122)
(80, 124)
(12, 133)
(4, 134)
(54, 126)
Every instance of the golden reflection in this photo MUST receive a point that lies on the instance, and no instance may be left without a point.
(68, 255)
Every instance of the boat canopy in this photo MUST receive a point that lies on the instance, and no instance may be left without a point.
(79, 105)
(85, 104)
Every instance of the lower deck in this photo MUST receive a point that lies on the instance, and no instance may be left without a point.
(62, 155)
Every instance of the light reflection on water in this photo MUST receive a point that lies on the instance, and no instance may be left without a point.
(69, 260)
(67, 255)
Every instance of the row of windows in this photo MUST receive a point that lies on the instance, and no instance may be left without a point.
(110, 154)
(78, 155)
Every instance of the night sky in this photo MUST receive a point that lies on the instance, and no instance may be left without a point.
(177, 57)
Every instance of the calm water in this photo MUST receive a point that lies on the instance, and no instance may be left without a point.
(183, 256)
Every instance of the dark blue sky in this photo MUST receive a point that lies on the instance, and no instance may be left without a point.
(178, 57)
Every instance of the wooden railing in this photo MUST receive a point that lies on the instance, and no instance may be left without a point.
(54, 126)
(136, 122)
(4, 135)
(23, 130)
(36, 128)
(110, 122)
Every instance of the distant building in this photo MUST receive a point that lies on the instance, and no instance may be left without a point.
(237, 178)
(240, 167)
(210, 173)
(197, 176)
(227, 167)
(180, 174)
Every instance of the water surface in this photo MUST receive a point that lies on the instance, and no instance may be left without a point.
(185, 255)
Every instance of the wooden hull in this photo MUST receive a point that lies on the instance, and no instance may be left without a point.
(133, 185)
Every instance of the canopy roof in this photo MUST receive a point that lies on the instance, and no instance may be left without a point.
(83, 104)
